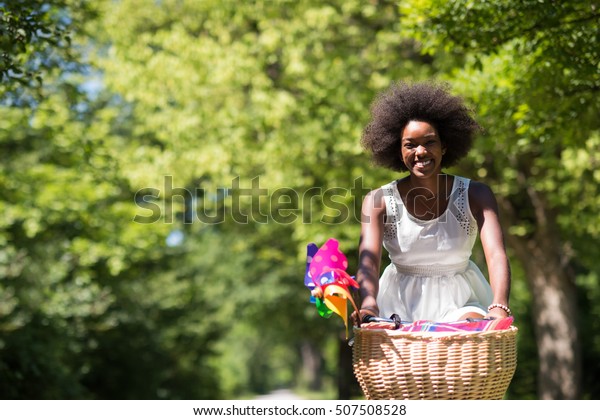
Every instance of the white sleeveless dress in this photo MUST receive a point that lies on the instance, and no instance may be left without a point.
(431, 276)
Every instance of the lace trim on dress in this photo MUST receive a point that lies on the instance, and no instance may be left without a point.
(460, 206)
(390, 229)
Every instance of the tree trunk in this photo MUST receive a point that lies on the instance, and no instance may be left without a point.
(311, 366)
(554, 296)
(555, 325)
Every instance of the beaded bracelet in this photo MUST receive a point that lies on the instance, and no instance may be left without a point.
(501, 306)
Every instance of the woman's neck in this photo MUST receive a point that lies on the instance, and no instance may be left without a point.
(436, 184)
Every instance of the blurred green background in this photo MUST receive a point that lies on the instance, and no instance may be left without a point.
(163, 165)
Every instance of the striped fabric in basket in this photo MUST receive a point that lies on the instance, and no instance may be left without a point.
(484, 324)
(467, 325)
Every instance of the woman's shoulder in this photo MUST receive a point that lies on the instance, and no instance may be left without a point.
(374, 201)
(481, 196)
(478, 189)
(376, 196)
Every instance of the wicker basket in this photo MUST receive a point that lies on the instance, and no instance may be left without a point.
(434, 365)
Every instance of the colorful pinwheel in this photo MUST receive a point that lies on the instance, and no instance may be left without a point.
(328, 281)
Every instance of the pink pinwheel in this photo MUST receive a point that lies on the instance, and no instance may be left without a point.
(328, 280)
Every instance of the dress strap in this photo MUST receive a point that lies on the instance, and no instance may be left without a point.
(459, 205)
(391, 210)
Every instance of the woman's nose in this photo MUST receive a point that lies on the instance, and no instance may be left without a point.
(420, 150)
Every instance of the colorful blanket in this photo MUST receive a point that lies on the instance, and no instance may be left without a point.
(467, 325)
(484, 324)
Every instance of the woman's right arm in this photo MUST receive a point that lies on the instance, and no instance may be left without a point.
(369, 251)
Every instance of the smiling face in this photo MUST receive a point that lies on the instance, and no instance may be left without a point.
(422, 149)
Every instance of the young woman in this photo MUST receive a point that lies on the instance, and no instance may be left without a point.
(428, 221)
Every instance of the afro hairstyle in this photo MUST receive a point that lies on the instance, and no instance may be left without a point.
(428, 102)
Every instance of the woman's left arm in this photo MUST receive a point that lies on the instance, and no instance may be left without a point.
(485, 210)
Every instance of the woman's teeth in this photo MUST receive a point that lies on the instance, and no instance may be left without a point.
(423, 163)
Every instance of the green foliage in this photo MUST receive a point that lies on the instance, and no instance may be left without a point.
(268, 96)
(36, 41)
(590, 325)
(84, 306)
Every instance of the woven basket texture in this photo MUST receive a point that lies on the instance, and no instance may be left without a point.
(395, 365)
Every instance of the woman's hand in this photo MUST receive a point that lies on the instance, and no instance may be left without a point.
(497, 313)
(363, 311)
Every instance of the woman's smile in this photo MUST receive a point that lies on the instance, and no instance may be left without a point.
(423, 163)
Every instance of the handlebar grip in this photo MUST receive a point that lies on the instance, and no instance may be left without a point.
(395, 319)
(370, 318)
